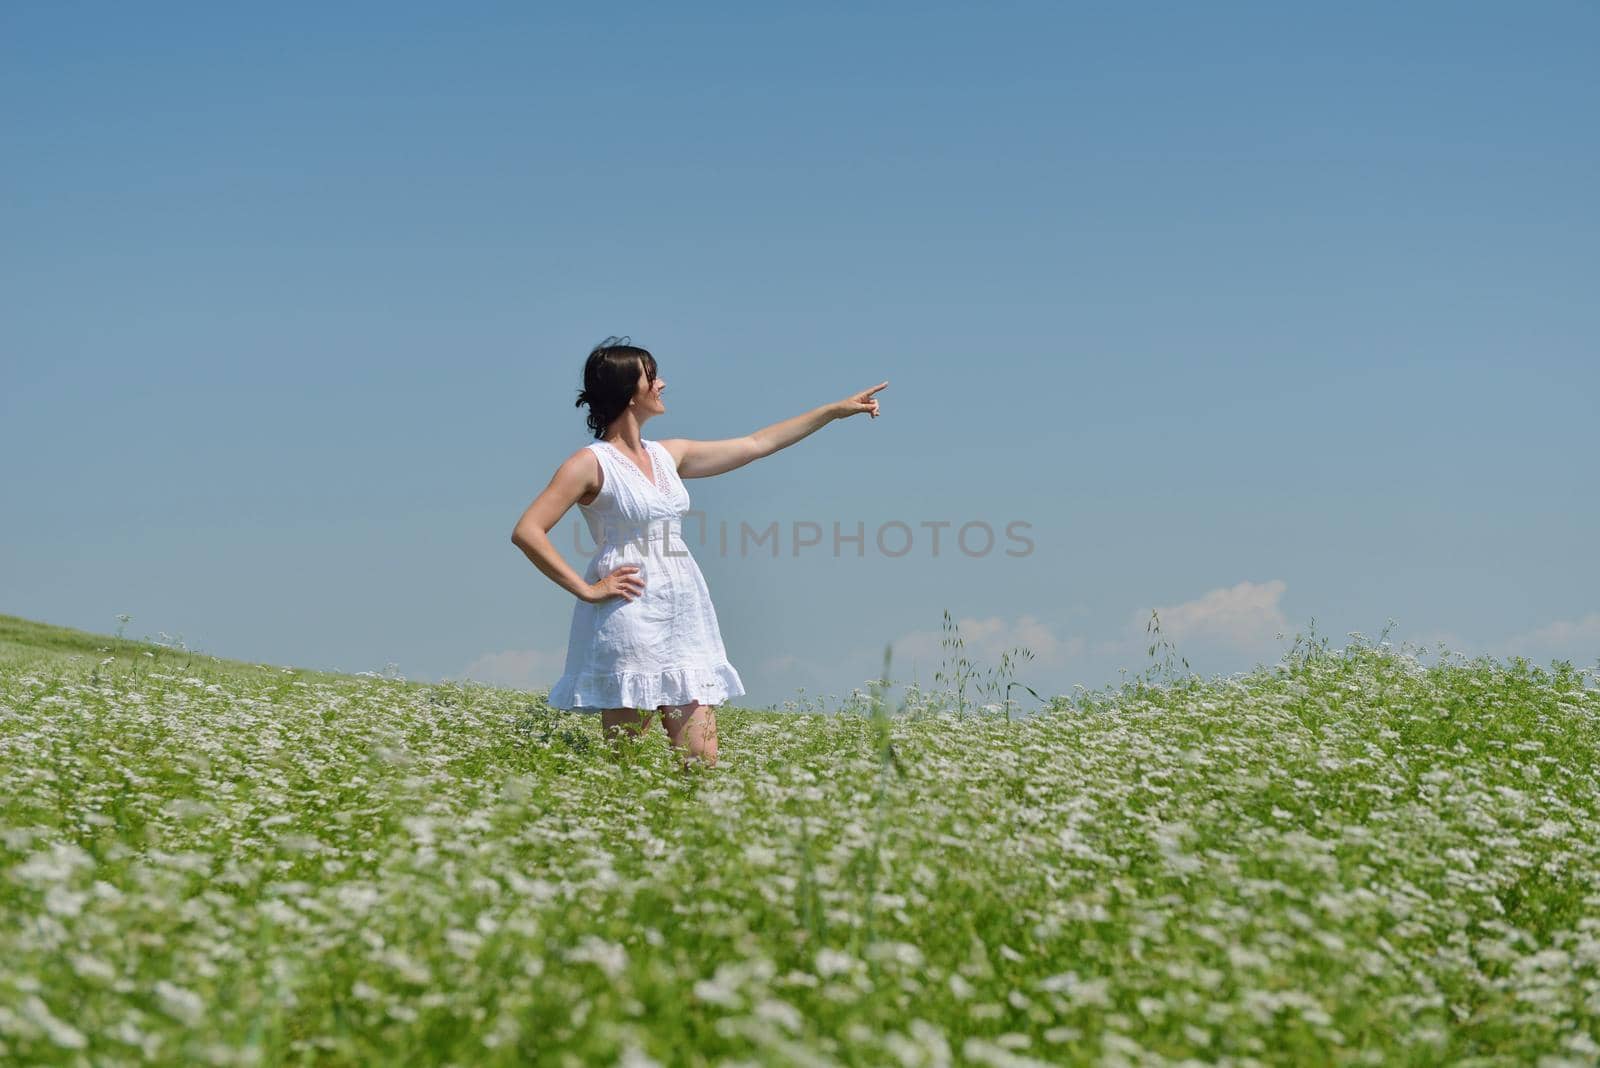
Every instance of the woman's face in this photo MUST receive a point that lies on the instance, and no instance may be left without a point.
(647, 396)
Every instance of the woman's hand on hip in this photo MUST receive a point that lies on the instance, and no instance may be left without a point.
(624, 582)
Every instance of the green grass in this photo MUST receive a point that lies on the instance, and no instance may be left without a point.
(25, 643)
(1349, 858)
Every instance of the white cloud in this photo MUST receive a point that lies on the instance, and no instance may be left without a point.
(1564, 635)
(1245, 616)
(522, 669)
(985, 640)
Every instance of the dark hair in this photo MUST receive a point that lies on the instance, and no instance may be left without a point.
(610, 379)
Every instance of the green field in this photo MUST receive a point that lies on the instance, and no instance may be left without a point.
(1353, 856)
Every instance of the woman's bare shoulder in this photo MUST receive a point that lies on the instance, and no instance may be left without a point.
(584, 462)
(584, 471)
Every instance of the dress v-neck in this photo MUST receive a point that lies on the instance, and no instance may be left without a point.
(654, 461)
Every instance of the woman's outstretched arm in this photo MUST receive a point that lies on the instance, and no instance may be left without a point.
(702, 459)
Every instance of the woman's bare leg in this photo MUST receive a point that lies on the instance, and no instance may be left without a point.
(692, 730)
(624, 723)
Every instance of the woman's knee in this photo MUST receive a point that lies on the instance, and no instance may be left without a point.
(692, 727)
(676, 717)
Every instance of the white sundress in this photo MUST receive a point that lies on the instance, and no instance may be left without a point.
(664, 646)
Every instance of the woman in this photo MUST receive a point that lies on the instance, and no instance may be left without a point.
(644, 635)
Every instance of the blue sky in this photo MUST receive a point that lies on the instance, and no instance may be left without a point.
(1254, 314)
